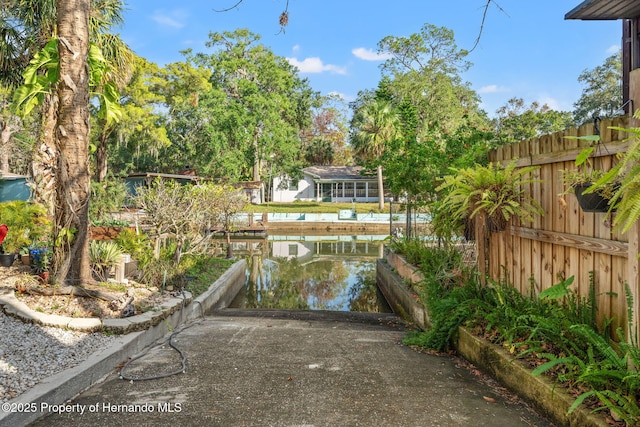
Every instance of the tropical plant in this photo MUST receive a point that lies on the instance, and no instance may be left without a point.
(495, 191)
(103, 254)
(608, 371)
(26, 222)
(106, 197)
(40, 259)
(626, 173)
(585, 174)
(556, 331)
(135, 244)
(374, 126)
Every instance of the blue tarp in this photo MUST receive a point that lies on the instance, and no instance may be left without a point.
(14, 188)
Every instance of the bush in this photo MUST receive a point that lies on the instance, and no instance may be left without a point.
(103, 255)
(27, 224)
(556, 332)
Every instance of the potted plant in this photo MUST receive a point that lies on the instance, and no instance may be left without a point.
(24, 255)
(26, 222)
(581, 181)
(41, 260)
(11, 245)
(496, 191)
(625, 178)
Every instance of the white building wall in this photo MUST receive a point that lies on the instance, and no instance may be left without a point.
(304, 191)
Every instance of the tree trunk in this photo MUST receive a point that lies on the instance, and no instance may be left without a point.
(380, 189)
(229, 247)
(45, 157)
(71, 254)
(5, 136)
(101, 157)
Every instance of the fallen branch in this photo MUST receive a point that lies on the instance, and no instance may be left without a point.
(69, 290)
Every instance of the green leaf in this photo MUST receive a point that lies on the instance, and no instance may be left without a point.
(557, 291)
(584, 155)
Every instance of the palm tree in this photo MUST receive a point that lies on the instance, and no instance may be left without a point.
(61, 154)
(374, 125)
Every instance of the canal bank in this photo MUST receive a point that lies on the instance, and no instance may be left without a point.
(346, 221)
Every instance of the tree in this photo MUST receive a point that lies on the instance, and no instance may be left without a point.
(424, 69)
(229, 201)
(9, 124)
(248, 117)
(140, 135)
(71, 256)
(325, 139)
(117, 70)
(189, 213)
(602, 94)
(515, 121)
(374, 125)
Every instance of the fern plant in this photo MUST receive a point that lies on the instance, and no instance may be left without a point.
(626, 198)
(495, 190)
(610, 373)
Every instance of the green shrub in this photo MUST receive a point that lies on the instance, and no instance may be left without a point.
(103, 255)
(27, 223)
(135, 244)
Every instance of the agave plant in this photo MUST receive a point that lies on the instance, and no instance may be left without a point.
(494, 190)
(103, 255)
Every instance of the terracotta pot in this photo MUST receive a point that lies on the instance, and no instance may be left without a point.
(25, 258)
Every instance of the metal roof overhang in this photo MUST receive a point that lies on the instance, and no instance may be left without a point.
(605, 10)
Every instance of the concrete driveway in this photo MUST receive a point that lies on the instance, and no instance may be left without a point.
(278, 368)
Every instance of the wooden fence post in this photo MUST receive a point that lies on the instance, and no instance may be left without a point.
(633, 280)
(481, 245)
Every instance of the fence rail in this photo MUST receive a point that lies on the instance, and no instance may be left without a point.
(567, 241)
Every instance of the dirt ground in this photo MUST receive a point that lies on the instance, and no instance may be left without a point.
(21, 277)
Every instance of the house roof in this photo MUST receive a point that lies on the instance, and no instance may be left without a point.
(605, 10)
(249, 185)
(336, 173)
(9, 175)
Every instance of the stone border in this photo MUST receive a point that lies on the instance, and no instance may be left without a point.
(491, 358)
(16, 308)
(66, 385)
(402, 300)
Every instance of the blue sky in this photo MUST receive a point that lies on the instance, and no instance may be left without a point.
(527, 50)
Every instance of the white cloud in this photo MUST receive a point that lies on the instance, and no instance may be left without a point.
(550, 102)
(314, 65)
(174, 19)
(370, 55)
(613, 49)
(493, 89)
(296, 48)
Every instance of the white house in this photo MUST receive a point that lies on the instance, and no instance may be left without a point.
(327, 184)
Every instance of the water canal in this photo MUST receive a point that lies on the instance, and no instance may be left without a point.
(330, 272)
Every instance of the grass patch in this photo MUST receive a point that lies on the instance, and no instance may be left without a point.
(321, 207)
(201, 272)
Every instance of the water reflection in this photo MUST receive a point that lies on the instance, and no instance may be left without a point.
(312, 273)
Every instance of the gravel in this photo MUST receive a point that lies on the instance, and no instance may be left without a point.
(29, 353)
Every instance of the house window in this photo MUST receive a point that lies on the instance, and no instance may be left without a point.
(361, 189)
(348, 189)
(373, 189)
(293, 250)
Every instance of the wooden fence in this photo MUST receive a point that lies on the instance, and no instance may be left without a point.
(566, 241)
